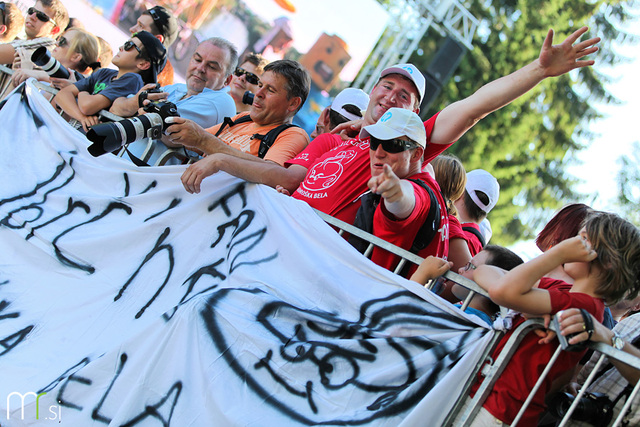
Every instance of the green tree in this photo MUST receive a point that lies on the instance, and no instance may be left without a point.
(528, 144)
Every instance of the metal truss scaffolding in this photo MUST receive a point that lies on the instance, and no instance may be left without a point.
(409, 21)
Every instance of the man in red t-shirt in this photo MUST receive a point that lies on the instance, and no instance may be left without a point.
(397, 145)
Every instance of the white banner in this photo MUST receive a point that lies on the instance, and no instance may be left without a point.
(124, 300)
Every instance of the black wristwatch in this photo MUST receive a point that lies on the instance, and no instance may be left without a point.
(617, 342)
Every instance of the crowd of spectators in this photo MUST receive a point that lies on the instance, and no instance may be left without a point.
(371, 162)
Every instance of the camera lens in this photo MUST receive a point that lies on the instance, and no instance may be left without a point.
(42, 58)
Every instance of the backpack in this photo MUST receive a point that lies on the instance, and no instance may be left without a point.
(476, 233)
(266, 141)
(364, 220)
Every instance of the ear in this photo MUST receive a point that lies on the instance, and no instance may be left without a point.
(294, 103)
(227, 81)
(161, 38)
(3, 29)
(76, 57)
(143, 64)
(324, 116)
(417, 154)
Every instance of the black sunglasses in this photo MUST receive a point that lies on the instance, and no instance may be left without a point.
(2, 9)
(41, 15)
(391, 145)
(62, 41)
(154, 15)
(251, 78)
(129, 44)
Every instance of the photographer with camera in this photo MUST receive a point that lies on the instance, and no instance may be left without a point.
(204, 98)
(264, 134)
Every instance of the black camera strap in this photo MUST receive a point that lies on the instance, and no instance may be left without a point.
(476, 233)
(266, 140)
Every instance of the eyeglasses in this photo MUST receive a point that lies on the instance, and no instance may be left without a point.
(41, 15)
(2, 9)
(62, 42)
(251, 78)
(129, 44)
(391, 145)
(470, 266)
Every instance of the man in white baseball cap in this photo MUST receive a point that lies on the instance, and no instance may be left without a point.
(348, 105)
(480, 196)
(402, 195)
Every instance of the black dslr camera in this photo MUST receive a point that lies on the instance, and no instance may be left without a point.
(247, 98)
(108, 137)
(595, 408)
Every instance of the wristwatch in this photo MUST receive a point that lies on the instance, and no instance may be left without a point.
(617, 342)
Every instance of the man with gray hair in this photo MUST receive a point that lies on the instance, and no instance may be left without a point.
(204, 98)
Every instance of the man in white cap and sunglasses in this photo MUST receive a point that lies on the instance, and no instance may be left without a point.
(348, 105)
(402, 196)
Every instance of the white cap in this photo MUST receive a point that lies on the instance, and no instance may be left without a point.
(411, 72)
(481, 180)
(351, 96)
(397, 122)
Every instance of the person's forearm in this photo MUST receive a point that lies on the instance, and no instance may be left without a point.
(404, 205)
(260, 171)
(605, 335)
(125, 107)
(67, 101)
(90, 105)
(7, 53)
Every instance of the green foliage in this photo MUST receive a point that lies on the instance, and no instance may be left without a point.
(525, 144)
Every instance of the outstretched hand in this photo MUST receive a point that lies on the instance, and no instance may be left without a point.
(192, 177)
(348, 130)
(431, 268)
(564, 57)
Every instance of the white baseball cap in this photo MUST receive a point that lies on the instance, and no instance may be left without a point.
(411, 72)
(397, 122)
(351, 96)
(481, 180)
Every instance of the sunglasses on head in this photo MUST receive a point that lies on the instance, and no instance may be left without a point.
(41, 15)
(129, 44)
(251, 78)
(395, 145)
(2, 8)
(155, 16)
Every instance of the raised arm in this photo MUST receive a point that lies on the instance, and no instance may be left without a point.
(516, 288)
(554, 60)
(128, 106)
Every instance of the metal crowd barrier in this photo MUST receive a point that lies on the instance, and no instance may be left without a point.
(465, 409)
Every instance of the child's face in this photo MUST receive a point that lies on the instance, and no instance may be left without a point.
(127, 59)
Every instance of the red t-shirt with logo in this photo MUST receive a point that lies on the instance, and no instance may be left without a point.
(473, 242)
(338, 172)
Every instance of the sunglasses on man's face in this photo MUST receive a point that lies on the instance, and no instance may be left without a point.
(251, 78)
(391, 145)
(129, 44)
(41, 15)
(2, 8)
